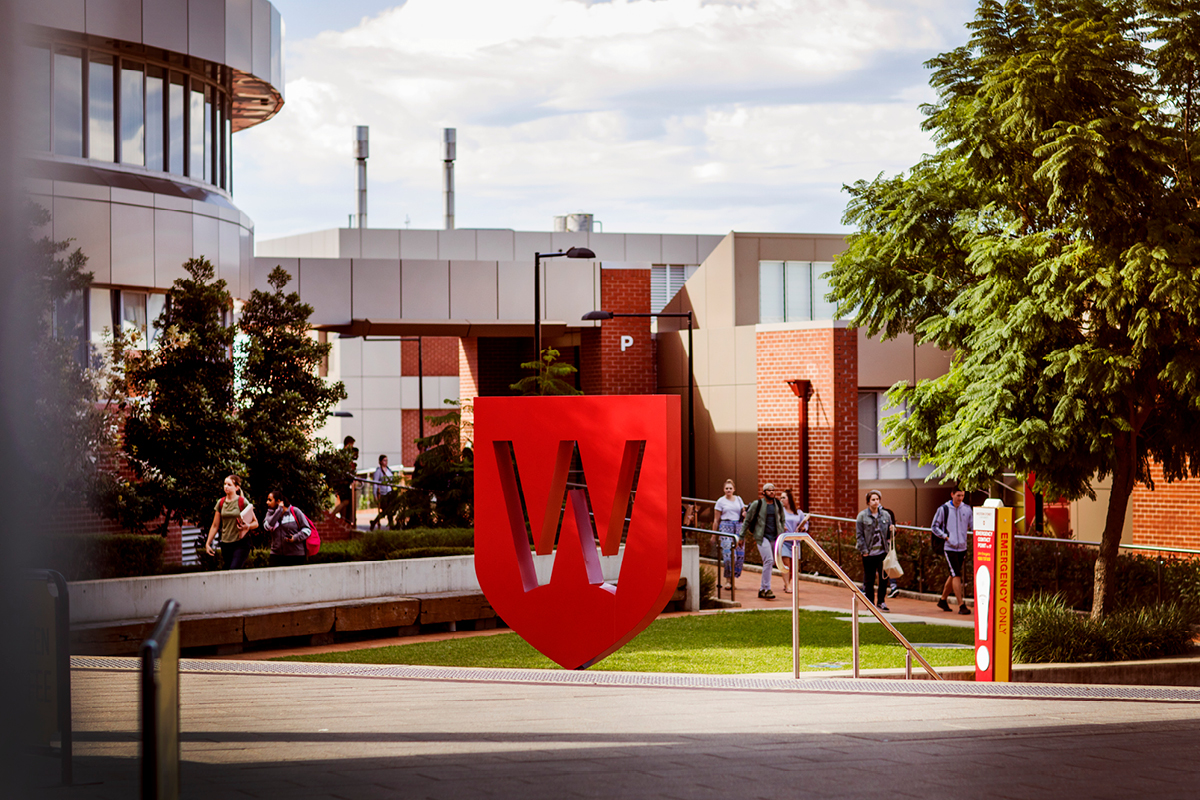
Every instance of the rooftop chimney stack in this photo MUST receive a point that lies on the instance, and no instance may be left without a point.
(449, 136)
(361, 151)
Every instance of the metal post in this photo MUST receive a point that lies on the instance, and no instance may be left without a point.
(854, 630)
(449, 137)
(691, 414)
(907, 665)
(795, 613)
(537, 307)
(420, 389)
(361, 151)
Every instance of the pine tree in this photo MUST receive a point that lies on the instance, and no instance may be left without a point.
(548, 378)
(1051, 242)
(183, 435)
(283, 400)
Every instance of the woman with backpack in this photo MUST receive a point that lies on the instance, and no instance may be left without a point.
(229, 520)
(289, 529)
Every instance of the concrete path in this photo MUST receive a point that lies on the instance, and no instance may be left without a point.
(330, 736)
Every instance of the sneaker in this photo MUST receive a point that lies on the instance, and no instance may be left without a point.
(966, 612)
(883, 607)
(943, 605)
(893, 591)
(767, 595)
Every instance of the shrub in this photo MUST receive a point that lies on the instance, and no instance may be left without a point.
(91, 557)
(1048, 631)
(431, 552)
(382, 545)
(338, 552)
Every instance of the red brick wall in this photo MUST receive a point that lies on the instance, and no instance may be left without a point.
(440, 354)
(1169, 516)
(829, 358)
(604, 368)
(468, 383)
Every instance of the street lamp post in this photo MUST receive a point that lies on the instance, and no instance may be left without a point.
(603, 315)
(574, 252)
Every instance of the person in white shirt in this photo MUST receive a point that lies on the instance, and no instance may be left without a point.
(382, 474)
(727, 517)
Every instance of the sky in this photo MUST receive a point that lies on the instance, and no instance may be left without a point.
(668, 116)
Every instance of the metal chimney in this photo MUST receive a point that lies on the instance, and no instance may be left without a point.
(361, 151)
(449, 136)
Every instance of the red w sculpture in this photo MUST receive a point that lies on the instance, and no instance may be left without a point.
(629, 451)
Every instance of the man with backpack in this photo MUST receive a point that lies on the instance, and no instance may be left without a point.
(951, 525)
(764, 523)
(289, 529)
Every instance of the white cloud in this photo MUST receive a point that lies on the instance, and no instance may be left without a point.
(686, 115)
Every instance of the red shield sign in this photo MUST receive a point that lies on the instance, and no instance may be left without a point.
(628, 448)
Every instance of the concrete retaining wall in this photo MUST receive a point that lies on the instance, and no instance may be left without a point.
(124, 599)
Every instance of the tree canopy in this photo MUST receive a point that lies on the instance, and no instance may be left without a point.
(1051, 242)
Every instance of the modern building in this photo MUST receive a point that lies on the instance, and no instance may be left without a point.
(132, 109)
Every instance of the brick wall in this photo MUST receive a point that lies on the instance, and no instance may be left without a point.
(604, 368)
(1169, 516)
(440, 354)
(829, 358)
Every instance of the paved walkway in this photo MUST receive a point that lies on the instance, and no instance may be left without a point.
(329, 736)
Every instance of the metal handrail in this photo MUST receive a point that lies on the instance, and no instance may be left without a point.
(721, 561)
(803, 538)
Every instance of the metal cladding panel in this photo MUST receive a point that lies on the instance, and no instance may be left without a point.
(379, 243)
(570, 289)
(276, 77)
(246, 260)
(67, 15)
(115, 19)
(380, 359)
(88, 223)
(376, 289)
(206, 29)
(514, 290)
(132, 245)
(239, 34)
(165, 24)
(229, 263)
(494, 245)
(261, 37)
(262, 269)
(172, 245)
(206, 239)
(425, 289)
(679, 248)
(643, 247)
(459, 244)
(473, 290)
(419, 244)
(325, 285)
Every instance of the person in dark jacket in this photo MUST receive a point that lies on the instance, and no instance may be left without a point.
(763, 523)
(873, 536)
(288, 528)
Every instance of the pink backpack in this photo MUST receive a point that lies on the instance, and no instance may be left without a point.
(312, 545)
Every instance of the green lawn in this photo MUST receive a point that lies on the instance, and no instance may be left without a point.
(753, 641)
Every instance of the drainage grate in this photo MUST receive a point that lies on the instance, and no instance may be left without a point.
(668, 680)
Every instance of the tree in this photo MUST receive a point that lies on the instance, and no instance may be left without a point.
(182, 435)
(548, 377)
(282, 398)
(1051, 242)
(442, 490)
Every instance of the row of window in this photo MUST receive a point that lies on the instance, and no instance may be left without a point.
(876, 460)
(95, 104)
(794, 291)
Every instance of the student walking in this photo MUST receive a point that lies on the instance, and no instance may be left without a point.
(727, 516)
(764, 522)
(794, 521)
(289, 530)
(873, 536)
(230, 519)
(951, 525)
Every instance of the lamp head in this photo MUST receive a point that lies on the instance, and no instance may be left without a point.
(580, 252)
(598, 315)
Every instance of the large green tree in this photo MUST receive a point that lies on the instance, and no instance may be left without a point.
(283, 399)
(183, 435)
(1051, 241)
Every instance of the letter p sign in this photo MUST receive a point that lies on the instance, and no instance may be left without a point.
(626, 342)
(625, 451)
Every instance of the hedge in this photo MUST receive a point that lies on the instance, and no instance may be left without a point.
(88, 557)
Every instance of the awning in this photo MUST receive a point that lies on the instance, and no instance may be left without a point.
(461, 328)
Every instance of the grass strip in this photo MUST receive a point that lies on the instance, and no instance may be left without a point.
(715, 644)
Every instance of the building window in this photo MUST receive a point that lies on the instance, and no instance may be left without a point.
(101, 129)
(155, 102)
(665, 282)
(133, 114)
(68, 102)
(196, 133)
(794, 291)
(876, 460)
(137, 312)
(175, 113)
(71, 323)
